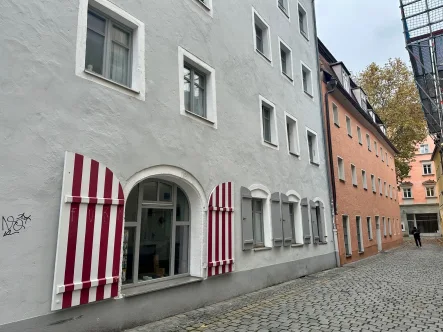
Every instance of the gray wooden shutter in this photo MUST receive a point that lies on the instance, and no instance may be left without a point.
(314, 221)
(246, 216)
(277, 229)
(305, 221)
(321, 222)
(286, 219)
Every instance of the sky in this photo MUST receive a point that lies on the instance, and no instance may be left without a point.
(359, 32)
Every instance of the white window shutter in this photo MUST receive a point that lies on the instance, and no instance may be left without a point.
(221, 230)
(87, 263)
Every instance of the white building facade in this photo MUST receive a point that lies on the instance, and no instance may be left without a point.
(156, 158)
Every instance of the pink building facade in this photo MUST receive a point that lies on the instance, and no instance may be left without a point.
(418, 196)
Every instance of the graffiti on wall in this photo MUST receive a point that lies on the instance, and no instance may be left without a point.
(13, 225)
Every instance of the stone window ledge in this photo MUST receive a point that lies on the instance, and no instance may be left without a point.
(157, 286)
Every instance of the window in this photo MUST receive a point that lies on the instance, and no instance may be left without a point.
(384, 227)
(359, 135)
(424, 148)
(303, 21)
(292, 211)
(262, 36)
(347, 236)
(369, 224)
(346, 83)
(390, 226)
(257, 223)
(292, 135)
(382, 155)
(354, 175)
(110, 46)
(427, 168)
(390, 191)
(364, 179)
(197, 99)
(269, 127)
(386, 190)
(386, 158)
(341, 169)
(162, 218)
(403, 228)
(407, 192)
(207, 4)
(306, 80)
(286, 60)
(284, 7)
(312, 147)
(359, 234)
(375, 148)
(380, 187)
(430, 192)
(368, 142)
(374, 189)
(348, 126)
(295, 217)
(335, 115)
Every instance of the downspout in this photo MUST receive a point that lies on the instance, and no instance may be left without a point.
(327, 142)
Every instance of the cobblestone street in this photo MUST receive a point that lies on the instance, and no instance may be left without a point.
(400, 290)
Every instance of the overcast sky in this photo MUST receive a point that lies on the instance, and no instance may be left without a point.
(359, 32)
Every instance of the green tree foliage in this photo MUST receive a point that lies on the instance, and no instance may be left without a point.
(392, 93)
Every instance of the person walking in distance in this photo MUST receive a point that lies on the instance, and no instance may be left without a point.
(416, 234)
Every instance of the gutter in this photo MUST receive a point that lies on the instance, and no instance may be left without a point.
(327, 142)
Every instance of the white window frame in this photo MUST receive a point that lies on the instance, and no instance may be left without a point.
(286, 12)
(303, 67)
(211, 103)
(296, 137)
(390, 226)
(137, 86)
(267, 44)
(335, 115)
(382, 155)
(289, 66)
(361, 245)
(390, 191)
(370, 235)
(274, 129)
(348, 229)
(364, 179)
(295, 198)
(368, 142)
(423, 168)
(403, 228)
(316, 160)
(354, 175)
(341, 168)
(433, 190)
(305, 34)
(348, 126)
(385, 231)
(346, 80)
(359, 135)
(386, 189)
(260, 191)
(404, 190)
(380, 186)
(376, 148)
(206, 5)
(422, 146)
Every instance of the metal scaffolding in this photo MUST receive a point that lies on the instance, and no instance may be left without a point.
(423, 30)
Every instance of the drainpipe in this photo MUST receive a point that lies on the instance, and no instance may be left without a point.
(327, 142)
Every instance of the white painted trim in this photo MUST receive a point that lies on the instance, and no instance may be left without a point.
(274, 132)
(198, 201)
(211, 98)
(262, 192)
(297, 134)
(307, 22)
(302, 64)
(343, 178)
(268, 36)
(206, 6)
(348, 227)
(348, 128)
(370, 232)
(138, 81)
(338, 114)
(317, 156)
(295, 197)
(318, 200)
(361, 234)
(288, 6)
(290, 56)
(354, 172)
(364, 179)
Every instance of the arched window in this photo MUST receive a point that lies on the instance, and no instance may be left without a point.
(157, 232)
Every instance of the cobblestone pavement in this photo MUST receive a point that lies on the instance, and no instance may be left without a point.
(401, 290)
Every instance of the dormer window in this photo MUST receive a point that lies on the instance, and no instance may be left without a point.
(346, 82)
(364, 102)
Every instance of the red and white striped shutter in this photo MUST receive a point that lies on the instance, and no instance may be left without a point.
(87, 263)
(221, 230)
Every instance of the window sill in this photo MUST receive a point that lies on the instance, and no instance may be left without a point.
(269, 143)
(199, 117)
(361, 252)
(365, 189)
(296, 245)
(284, 12)
(294, 154)
(262, 248)
(205, 6)
(408, 198)
(342, 180)
(157, 286)
(304, 34)
(350, 135)
(428, 174)
(374, 192)
(355, 185)
(337, 125)
(111, 81)
(288, 77)
(431, 196)
(314, 163)
(308, 94)
(264, 56)
(360, 143)
(348, 255)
